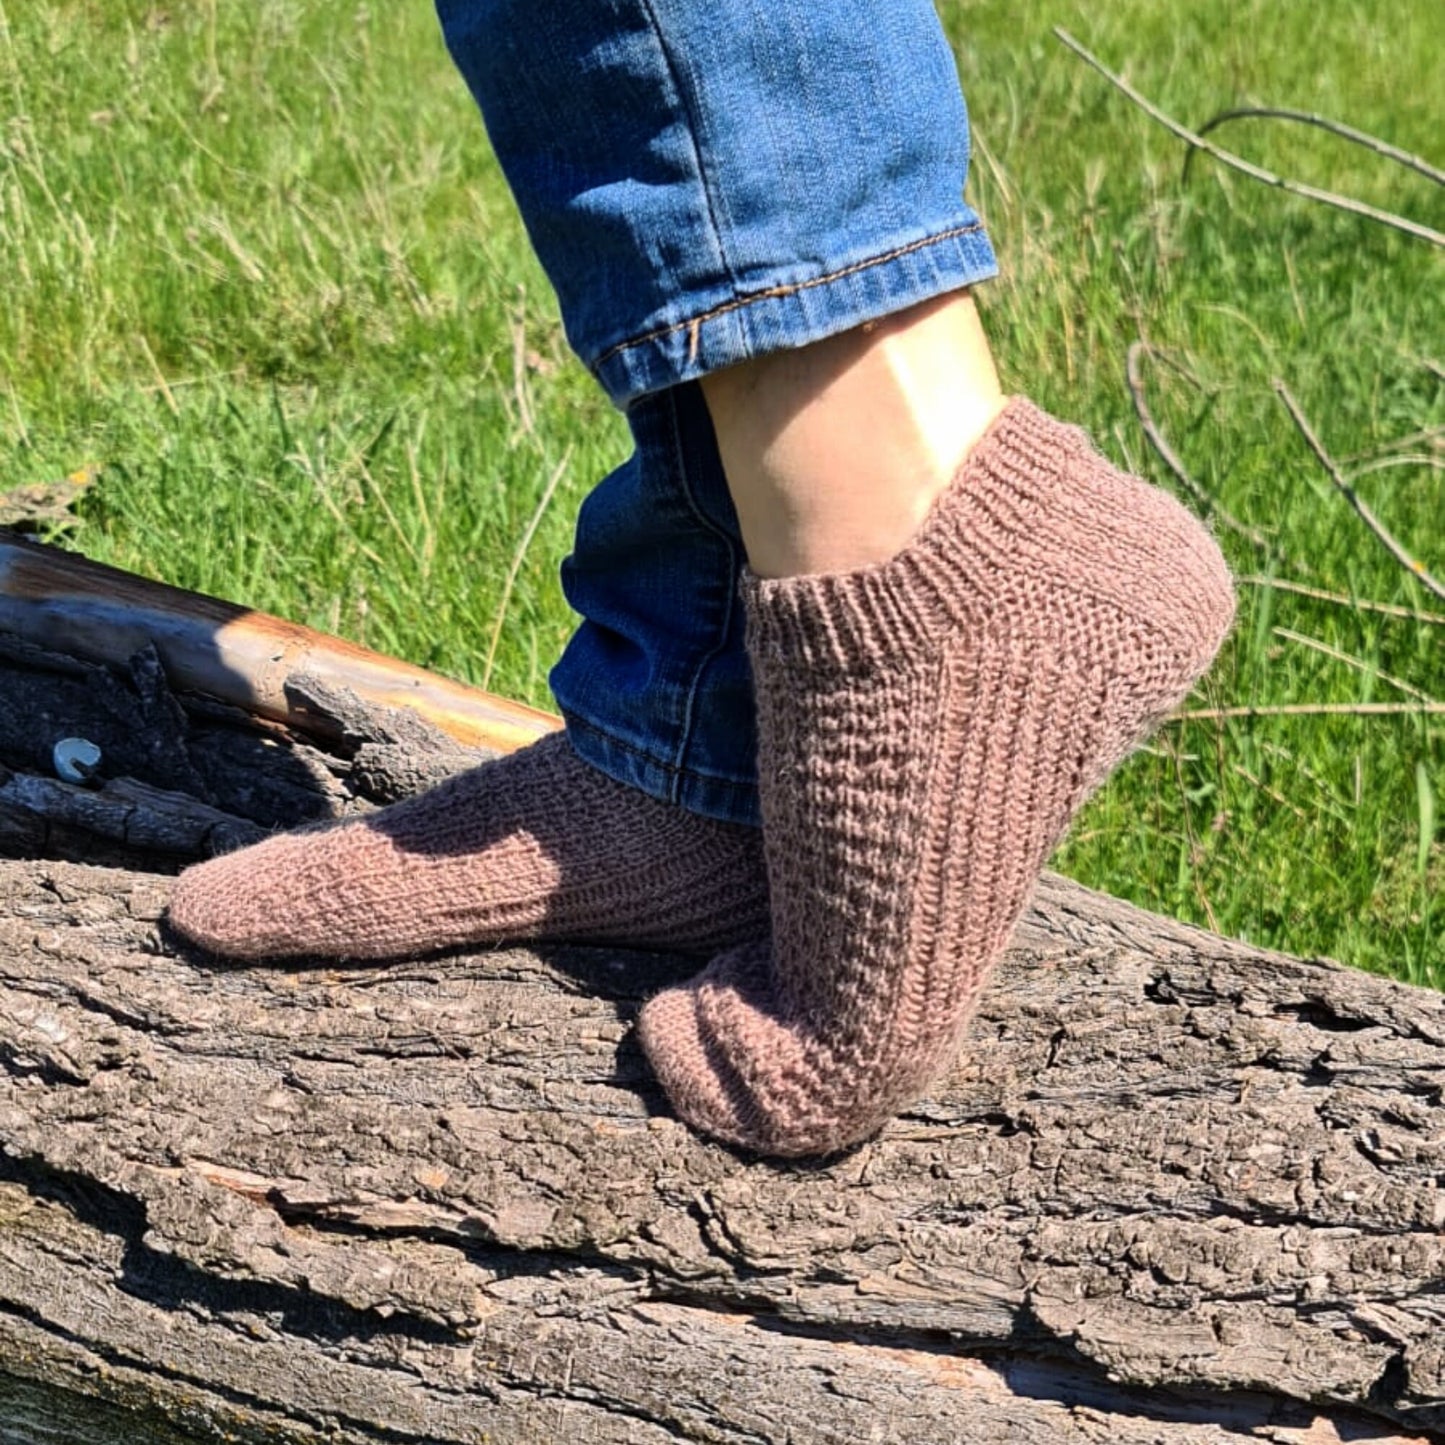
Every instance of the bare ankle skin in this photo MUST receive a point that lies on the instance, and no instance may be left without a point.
(835, 452)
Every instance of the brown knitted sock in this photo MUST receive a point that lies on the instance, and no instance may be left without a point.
(926, 729)
(536, 845)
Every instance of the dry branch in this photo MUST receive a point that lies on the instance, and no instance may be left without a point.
(1391, 544)
(1203, 498)
(1248, 168)
(1314, 709)
(1361, 604)
(1383, 464)
(1337, 654)
(58, 600)
(1320, 122)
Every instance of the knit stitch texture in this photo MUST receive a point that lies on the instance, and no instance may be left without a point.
(538, 845)
(927, 728)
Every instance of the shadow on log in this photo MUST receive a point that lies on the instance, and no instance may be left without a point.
(1176, 1190)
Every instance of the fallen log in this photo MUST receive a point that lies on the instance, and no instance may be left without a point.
(1177, 1189)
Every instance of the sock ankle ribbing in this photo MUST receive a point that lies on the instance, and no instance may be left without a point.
(926, 730)
(538, 845)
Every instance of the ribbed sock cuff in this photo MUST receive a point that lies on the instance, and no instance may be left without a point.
(1032, 499)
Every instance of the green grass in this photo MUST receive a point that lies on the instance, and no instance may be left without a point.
(258, 263)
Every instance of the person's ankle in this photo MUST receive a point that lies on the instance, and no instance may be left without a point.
(836, 452)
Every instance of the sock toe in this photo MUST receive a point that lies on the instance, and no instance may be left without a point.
(736, 1069)
(252, 904)
(537, 845)
(209, 907)
(696, 1081)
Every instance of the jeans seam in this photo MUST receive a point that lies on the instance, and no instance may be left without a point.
(692, 132)
(707, 523)
(773, 293)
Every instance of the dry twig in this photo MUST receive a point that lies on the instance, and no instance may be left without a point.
(1350, 660)
(1406, 459)
(1395, 548)
(518, 557)
(1196, 852)
(1432, 436)
(1248, 168)
(1170, 457)
(1357, 604)
(1314, 709)
(1335, 127)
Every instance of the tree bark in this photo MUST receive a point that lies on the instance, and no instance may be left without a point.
(1177, 1189)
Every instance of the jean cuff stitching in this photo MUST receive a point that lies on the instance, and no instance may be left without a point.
(773, 293)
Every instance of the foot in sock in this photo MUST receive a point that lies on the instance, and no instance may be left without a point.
(536, 845)
(927, 727)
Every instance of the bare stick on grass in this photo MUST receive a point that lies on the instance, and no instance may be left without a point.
(1433, 436)
(1314, 709)
(1350, 660)
(1196, 852)
(161, 384)
(1248, 168)
(1334, 127)
(1407, 459)
(1355, 604)
(1170, 457)
(1395, 548)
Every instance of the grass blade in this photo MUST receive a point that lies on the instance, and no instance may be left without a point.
(1425, 795)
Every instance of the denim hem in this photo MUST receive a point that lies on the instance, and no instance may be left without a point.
(729, 800)
(784, 317)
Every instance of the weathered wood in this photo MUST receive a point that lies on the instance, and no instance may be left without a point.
(184, 776)
(131, 814)
(1177, 1190)
(61, 601)
(394, 751)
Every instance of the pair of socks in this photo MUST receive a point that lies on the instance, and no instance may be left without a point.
(927, 727)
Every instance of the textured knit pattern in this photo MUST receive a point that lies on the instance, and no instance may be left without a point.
(927, 728)
(538, 845)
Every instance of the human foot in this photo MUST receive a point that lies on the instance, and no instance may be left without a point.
(927, 727)
(535, 845)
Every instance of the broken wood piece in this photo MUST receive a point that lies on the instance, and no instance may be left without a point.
(65, 603)
(183, 777)
(124, 811)
(397, 752)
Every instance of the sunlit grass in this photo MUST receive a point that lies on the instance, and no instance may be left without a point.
(258, 263)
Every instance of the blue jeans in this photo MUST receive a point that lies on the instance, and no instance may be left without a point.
(705, 182)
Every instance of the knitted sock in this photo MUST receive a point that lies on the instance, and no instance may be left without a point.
(926, 729)
(538, 845)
